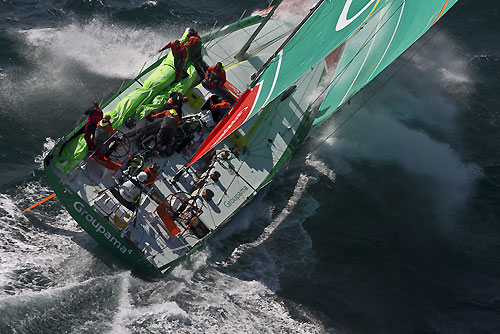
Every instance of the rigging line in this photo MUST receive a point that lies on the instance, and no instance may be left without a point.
(230, 183)
(260, 47)
(362, 66)
(282, 26)
(384, 83)
(390, 42)
(214, 36)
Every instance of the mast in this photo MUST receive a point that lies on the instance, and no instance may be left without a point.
(255, 76)
(241, 54)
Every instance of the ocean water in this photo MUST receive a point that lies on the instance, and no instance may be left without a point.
(392, 225)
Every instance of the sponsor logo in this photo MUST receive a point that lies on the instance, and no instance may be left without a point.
(344, 21)
(236, 197)
(80, 208)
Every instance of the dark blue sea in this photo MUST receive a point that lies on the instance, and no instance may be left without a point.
(391, 225)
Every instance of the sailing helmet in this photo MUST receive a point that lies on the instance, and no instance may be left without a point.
(142, 177)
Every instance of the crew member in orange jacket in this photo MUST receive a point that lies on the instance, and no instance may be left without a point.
(215, 77)
(180, 54)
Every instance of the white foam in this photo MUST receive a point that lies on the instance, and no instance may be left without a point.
(34, 250)
(125, 308)
(449, 65)
(150, 3)
(214, 303)
(66, 61)
(292, 202)
(47, 147)
(320, 166)
(105, 49)
(294, 11)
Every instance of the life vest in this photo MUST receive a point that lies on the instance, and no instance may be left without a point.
(174, 114)
(151, 176)
(177, 50)
(176, 100)
(194, 46)
(193, 39)
(219, 110)
(214, 74)
(169, 113)
(222, 105)
(106, 125)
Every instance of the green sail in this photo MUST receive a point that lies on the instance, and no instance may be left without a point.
(352, 22)
(329, 26)
(384, 38)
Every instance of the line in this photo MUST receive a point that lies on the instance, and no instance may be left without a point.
(43, 200)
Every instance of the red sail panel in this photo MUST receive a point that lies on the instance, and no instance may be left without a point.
(236, 117)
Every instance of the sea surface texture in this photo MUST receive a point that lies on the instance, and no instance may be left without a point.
(391, 225)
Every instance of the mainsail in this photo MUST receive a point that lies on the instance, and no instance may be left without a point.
(389, 26)
(384, 38)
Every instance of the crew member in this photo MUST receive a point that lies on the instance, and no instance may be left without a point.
(105, 124)
(194, 46)
(180, 54)
(170, 123)
(176, 99)
(95, 116)
(103, 131)
(218, 107)
(130, 191)
(215, 77)
(152, 171)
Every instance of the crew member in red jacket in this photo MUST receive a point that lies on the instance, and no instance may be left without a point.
(194, 46)
(95, 116)
(215, 77)
(180, 54)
